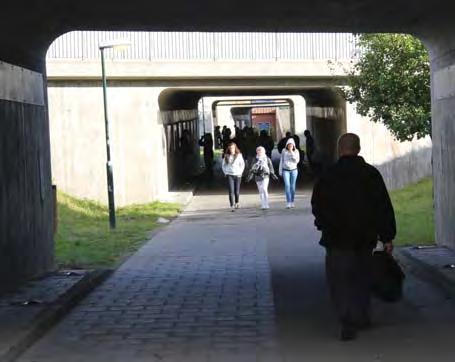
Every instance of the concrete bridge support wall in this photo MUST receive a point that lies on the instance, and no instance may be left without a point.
(78, 148)
(182, 167)
(26, 203)
(299, 115)
(400, 163)
(326, 125)
(442, 53)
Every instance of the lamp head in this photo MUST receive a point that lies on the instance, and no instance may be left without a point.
(119, 44)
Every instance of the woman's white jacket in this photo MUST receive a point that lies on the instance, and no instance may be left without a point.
(234, 166)
(289, 160)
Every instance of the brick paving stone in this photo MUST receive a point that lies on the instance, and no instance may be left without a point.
(177, 296)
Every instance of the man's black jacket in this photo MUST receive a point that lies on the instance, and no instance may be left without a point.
(352, 207)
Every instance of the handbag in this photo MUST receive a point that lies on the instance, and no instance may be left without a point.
(387, 277)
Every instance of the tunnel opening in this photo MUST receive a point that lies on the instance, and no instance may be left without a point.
(161, 108)
(173, 94)
(320, 110)
(27, 214)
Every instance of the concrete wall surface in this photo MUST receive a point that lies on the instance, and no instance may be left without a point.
(400, 163)
(89, 69)
(300, 120)
(78, 145)
(442, 54)
(326, 124)
(26, 203)
(182, 165)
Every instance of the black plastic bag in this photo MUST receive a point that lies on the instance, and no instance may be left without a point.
(387, 277)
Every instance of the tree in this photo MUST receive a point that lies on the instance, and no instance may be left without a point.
(390, 83)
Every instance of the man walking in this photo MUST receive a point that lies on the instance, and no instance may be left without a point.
(353, 210)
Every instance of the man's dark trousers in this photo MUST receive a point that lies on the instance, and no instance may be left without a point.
(348, 277)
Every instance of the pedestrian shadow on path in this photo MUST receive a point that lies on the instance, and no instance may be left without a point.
(306, 323)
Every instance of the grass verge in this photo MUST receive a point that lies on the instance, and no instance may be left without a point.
(84, 239)
(414, 213)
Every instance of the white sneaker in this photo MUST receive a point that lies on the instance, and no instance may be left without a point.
(232, 208)
(292, 205)
(288, 205)
(237, 206)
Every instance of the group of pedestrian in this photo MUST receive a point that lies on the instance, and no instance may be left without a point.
(261, 169)
(248, 139)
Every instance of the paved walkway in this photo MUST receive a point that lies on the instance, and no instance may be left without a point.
(243, 286)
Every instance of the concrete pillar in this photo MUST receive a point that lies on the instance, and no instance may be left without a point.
(442, 54)
(326, 119)
(26, 241)
(299, 112)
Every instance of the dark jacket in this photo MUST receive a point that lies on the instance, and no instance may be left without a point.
(267, 143)
(282, 144)
(352, 207)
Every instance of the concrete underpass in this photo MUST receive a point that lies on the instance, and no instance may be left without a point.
(320, 110)
(240, 286)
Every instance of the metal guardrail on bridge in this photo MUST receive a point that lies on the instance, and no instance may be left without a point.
(193, 46)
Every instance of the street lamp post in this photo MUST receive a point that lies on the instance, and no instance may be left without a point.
(110, 177)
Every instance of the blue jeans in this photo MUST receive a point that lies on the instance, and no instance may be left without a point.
(290, 179)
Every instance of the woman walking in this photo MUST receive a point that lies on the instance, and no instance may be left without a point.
(288, 170)
(233, 166)
(262, 170)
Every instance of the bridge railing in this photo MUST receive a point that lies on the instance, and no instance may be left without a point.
(194, 46)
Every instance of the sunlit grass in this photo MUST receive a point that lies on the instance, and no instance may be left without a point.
(414, 213)
(84, 239)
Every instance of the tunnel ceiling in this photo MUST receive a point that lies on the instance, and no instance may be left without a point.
(29, 26)
(175, 98)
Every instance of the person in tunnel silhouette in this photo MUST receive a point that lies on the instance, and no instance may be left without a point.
(226, 134)
(218, 138)
(353, 210)
(206, 141)
(186, 152)
(309, 145)
(266, 141)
